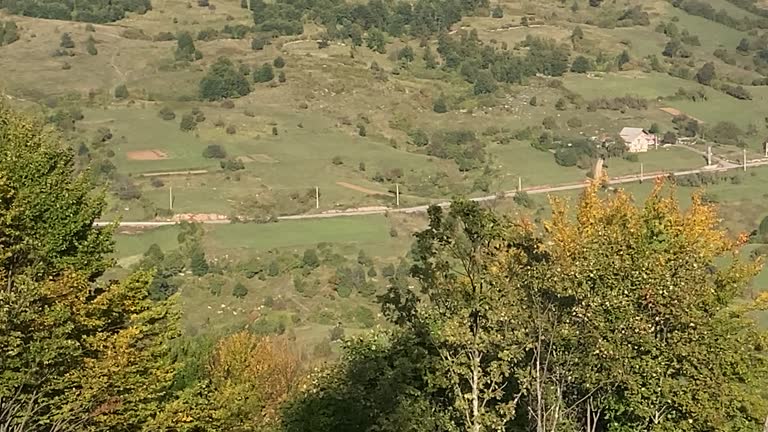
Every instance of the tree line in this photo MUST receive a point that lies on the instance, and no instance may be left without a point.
(95, 11)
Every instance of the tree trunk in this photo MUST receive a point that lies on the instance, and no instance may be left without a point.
(475, 391)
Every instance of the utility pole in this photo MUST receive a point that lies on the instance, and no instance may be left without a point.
(317, 197)
(641, 172)
(709, 155)
(745, 159)
(170, 197)
(519, 184)
(397, 194)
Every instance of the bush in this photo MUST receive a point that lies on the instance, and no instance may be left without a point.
(90, 46)
(439, 106)
(239, 290)
(249, 113)
(523, 199)
(166, 113)
(157, 182)
(66, 41)
(549, 123)
(188, 122)
(281, 77)
(121, 92)
(231, 130)
(214, 151)
(263, 74)
(258, 43)
(227, 104)
(533, 102)
(361, 130)
(310, 259)
(337, 160)
(278, 62)
(232, 165)
(738, 92)
(581, 65)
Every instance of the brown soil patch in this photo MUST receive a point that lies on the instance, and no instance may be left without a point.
(259, 157)
(174, 173)
(361, 189)
(676, 112)
(198, 217)
(147, 155)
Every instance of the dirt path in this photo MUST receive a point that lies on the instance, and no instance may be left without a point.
(676, 112)
(361, 189)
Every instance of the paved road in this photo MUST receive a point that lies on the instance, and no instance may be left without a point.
(420, 209)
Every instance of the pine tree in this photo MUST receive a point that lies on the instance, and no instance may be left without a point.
(90, 46)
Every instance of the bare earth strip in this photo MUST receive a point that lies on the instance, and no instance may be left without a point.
(174, 173)
(361, 189)
(147, 155)
(676, 112)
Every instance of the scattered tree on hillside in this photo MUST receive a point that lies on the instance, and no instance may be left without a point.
(263, 74)
(484, 83)
(90, 46)
(706, 74)
(439, 105)
(281, 77)
(376, 40)
(185, 48)
(744, 46)
(239, 290)
(188, 122)
(66, 41)
(278, 62)
(623, 59)
(406, 54)
(581, 65)
(9, 33)
(121, 92)
(430, 61)
(214, 151)
(497, 12)
(223, 80)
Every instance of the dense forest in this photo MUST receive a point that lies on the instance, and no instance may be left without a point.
(95, 11)
(607, 316)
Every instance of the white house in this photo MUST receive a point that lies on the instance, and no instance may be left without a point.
(638, 140)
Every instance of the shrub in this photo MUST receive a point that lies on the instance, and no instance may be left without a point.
(121, 92)
(239, 290)
(337, 160)
(523, 199)
(66, 41)
(281, 77)
(258, 43)
(232, 165)
(310, 259)
(263, 74)
(231, 130)
(249, 113)
(393, 232)
(187, 122)
(274, 130)
(157, 182)
(361, 130)
(90, 46)
(738, 92)
(166, 113)
(227, 104)
(439, 106)
(533, 102)
(581, 65)
(278, 62)
(214, 151)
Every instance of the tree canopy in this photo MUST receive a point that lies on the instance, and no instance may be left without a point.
(88, 354)
(608, 317)
(223, 80)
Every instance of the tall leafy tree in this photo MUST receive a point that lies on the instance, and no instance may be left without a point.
(86, 353)
(223, 80)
